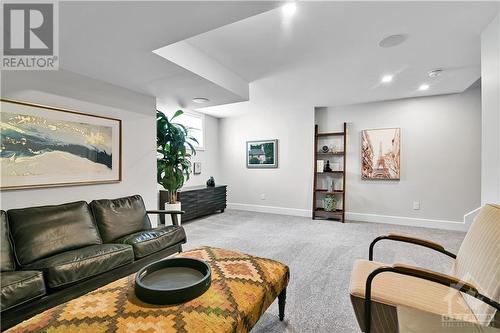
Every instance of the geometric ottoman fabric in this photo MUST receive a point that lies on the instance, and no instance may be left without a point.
(243, 287)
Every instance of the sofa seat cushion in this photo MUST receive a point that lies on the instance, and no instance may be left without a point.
(401, 290)
(19, 287)
(154, 240)
(73, 266)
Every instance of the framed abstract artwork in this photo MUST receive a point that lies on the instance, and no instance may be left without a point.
(43, 146)
(381, 153)
(262, 154)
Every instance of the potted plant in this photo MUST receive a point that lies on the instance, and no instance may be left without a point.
(174, 151)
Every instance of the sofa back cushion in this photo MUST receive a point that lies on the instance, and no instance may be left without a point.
(40, 232)
(7, 256)
(477, 260)
(120, 217)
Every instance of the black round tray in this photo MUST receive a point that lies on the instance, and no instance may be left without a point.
(172, 281)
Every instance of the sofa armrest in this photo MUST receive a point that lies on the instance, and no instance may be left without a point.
(425, 274)
(412, 240)
(173, 213)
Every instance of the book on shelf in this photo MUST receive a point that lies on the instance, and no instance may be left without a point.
(320, 164)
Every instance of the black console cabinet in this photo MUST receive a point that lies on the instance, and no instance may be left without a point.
(198, 201)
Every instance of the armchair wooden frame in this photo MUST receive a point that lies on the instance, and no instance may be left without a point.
(412, 240)
(443, 279)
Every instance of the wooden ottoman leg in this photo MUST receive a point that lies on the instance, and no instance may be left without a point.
(281, 304)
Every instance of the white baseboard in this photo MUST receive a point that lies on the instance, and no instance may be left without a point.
(270, 209)
(470, 216)
(408, 221)
(374, 218)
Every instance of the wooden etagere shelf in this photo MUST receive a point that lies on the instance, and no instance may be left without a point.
(318, 211)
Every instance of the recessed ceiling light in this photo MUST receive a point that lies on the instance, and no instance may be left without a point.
(200, 100)
(423, 87)
(392, 40)
(386, 78)
(289, 9)
(435, 73)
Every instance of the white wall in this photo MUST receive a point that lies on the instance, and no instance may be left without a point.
(440, 158)
(209, 157)
(288, 188)
(490, 151)
(72, 91)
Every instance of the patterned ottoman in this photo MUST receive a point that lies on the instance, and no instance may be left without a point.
(243, 287)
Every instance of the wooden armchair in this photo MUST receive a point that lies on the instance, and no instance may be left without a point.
(402, 298)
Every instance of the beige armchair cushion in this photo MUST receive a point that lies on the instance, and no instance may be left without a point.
(407, 291)
(478, 261)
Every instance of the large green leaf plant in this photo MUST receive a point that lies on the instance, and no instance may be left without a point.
(174, 151)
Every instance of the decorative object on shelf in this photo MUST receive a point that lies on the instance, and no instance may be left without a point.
(329, 203)
(196, 168)
(333, 182)
(380, 154)
(211, 182)
(327, 167)
(173, 160)
(44, 146)
(262, 154)
(325, 149)
(331, 186)
(320, 164)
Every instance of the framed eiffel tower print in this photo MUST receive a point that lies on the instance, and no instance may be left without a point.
(381, 154)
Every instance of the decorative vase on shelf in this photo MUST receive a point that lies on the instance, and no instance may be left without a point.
(329, 203)
(211, 182)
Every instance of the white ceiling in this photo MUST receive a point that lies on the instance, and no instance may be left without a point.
(113, 42)
(328, 53)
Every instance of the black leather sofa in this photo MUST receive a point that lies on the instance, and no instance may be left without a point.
(51, 254)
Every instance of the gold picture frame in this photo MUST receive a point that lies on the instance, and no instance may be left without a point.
(41, 148)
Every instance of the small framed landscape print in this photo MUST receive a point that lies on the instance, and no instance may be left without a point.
(262, 154)
(43, 146)
(196, 168)
(381, 153)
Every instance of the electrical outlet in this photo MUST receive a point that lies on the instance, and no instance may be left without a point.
(416, 205)
(263, 196)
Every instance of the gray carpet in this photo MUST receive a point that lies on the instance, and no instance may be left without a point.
(320, 255)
